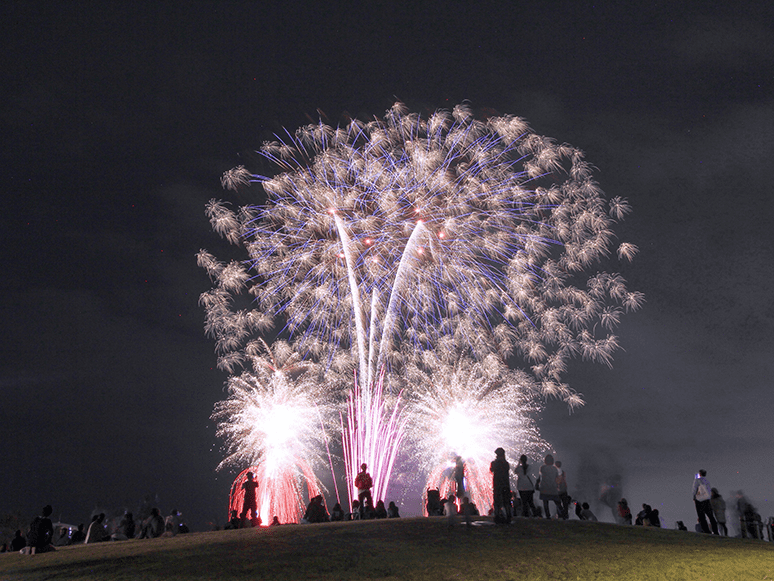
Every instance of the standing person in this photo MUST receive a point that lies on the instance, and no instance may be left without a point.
(363, 483)
(624, 513)
(250, 503)
(501, 487)
(549, 489)
(561, 484)
(525, 486)
(702, 493)
(459, 476)
(41, 532)
(719, 510)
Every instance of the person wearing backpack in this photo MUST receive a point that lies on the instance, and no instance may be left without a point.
(702, 493)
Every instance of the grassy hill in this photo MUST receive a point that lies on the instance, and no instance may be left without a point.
(410, 549)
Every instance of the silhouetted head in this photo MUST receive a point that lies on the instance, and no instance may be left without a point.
(363, 467)
(47, 510)
(523, 459)
(249, 475)
(549, 459)
(500, 452)
(702, 473)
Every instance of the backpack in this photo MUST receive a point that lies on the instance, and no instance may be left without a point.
(703, 491)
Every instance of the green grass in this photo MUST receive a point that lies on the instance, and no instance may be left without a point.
(411, 549)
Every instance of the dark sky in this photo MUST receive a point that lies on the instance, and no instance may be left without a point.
(117, 120)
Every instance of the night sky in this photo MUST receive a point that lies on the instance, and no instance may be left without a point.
(117, 120)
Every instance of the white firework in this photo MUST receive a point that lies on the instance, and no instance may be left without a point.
(383, 239)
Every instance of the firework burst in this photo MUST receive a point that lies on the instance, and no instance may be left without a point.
(410, 237)
(383, 239)
(469, 409)
(275, 420)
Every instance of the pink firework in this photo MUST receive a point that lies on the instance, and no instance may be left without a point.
(280, 492)
(372, 434)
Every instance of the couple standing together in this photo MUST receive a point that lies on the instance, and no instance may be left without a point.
(552, 484)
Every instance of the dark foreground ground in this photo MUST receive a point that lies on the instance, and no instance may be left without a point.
(412, 549)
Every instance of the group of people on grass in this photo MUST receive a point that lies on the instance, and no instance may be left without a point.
(550, 482)
(41, 536)
(316, 511)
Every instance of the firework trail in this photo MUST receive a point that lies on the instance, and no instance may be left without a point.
(468, 410)
(372, 435)
(273, 422)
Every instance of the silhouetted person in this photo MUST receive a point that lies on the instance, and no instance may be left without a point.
(433, 502)
(337, 513)
(549, 489)
(355, 514)
(702, 493)
(643, 517)
(250, 502)
(275, 521)
(587, 514)
(624, 513)
(153, 526)
(233, 522)
(561, 485)
(459, 476)
(18, 542)
(63, 539)
(392, 510)
(172, 523)
(41, 532)
(96, 532)
(315, 511)
(363, 483)
(719, 510)
(126, 528)
(78, 536)
(525, 487)
(680, 526)
(655, 519)
(501, 487)
(381, 510)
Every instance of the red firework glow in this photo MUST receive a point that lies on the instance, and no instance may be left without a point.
(279, 493)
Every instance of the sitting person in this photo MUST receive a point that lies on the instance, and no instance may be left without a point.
(63, 539)
(392, 510)
(233, 522)
(125, 528)
(172, 523)
(18, 542)
(153, 526)
(337, 513)
(96, 532)
(78, 536)
(315, 512)
(587, 514)
(355, 514)
(381, 511)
